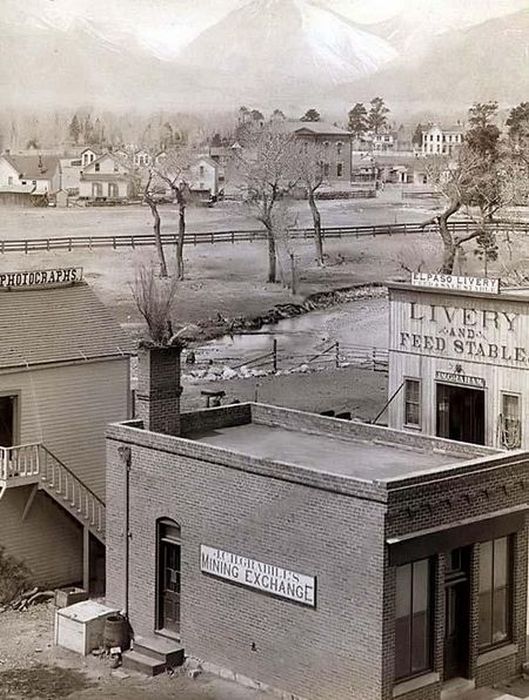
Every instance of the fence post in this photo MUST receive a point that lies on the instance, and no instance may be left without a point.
(274, 354)
(337, 354)
(292, 273)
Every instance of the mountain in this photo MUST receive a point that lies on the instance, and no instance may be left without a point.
(269, 50)
(489, 61)
(292, 54)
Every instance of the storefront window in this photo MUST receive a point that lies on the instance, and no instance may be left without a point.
(494, 592)
(412, 402)
(413, 619)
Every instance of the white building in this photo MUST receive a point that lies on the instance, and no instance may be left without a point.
(107, 177)
(35, 174)
(439, 141)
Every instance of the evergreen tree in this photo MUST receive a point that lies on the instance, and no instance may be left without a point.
(417, 136)
(74, 130)
(377, 117)
(311, 115)
(358, 120)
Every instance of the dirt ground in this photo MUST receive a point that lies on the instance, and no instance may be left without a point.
(360, 391)
(32, 668)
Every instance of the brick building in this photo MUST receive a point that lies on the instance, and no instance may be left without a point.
(323, 558)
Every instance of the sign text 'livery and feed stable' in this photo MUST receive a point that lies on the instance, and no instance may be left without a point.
(256, 574)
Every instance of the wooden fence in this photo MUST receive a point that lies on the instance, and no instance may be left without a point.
(336, 355)
(69, 243)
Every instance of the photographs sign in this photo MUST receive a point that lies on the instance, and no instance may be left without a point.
(40, 278)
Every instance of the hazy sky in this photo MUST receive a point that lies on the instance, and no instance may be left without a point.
(163, 27)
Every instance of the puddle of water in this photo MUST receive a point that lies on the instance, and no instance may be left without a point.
(363, 322)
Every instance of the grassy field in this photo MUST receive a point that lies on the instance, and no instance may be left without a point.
(16, 223)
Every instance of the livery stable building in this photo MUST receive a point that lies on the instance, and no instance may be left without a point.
(459, 359)
(64, 375)
(321, 558)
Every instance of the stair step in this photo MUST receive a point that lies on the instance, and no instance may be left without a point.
(160, 648)
(135, 661)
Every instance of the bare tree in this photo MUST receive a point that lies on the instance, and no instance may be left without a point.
(310, 166)
(173, 170)
(267, 169)
(481, 187)
(154, 298)
(149, 199)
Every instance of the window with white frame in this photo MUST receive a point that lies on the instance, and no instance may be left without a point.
(412, 402)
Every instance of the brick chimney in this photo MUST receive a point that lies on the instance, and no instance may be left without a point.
(158, 393)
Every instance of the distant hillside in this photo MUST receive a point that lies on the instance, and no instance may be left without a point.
(487, 61)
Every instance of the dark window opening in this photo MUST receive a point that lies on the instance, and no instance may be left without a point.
(461, 413)
(7, 420)
(169, 572)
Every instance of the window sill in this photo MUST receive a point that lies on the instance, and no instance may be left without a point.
(423, 681)
(412, 426)
(488, 657)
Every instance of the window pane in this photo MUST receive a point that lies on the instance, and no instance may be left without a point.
(420, 619)
(485, 612)
(500, 562)
(485, 567)
(500, 617)
(402, 621)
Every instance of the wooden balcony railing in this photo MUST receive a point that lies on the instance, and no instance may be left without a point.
(35, 464)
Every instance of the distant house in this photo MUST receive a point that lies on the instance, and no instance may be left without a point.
(205, 177)
(88, 155)
(441, 141)
(70, 168)
(36, 174)
(336, 145)
(106, 178)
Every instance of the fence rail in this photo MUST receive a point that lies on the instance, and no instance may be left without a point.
(69, 243)
(336, 355)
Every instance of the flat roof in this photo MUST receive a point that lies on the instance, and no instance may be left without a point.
(344, 449)
(366, 460)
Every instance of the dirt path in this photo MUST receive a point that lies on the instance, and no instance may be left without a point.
(31, 668)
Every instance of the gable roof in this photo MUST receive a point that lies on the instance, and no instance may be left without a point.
(44, 326)
(34, 167)
(321, 128)
(113, 156)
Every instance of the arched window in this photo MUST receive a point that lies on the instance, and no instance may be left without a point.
(339, 147)
(169, 572)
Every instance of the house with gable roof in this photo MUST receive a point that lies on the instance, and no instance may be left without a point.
(108, 177)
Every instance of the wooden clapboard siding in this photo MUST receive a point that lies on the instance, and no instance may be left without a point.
(49, 541)
(500, 375)
(68, 407)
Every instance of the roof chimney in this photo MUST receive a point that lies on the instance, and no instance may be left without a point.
(158, 393)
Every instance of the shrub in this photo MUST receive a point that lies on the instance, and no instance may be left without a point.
(15, 576)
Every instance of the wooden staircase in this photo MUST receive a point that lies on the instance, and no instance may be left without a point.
(35, 464)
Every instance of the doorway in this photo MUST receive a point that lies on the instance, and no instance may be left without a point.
(457, 614)
(8, 406)
(169, 563)
(461, 413)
